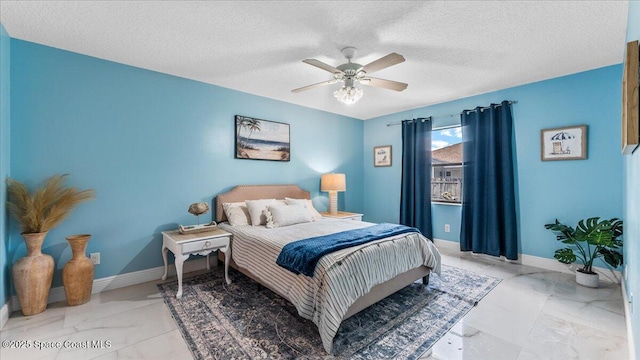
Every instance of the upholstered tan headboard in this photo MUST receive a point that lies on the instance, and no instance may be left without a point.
(256, 192)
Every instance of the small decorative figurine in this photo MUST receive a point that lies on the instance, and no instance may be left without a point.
(197, 209)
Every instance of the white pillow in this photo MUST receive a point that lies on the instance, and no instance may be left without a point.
(237, 213)
(256, 207)
(315, 215)
(285, 215)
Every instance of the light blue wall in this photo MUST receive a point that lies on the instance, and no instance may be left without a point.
(150, 144)
(5, 120)
(567, 190)
(632, 205)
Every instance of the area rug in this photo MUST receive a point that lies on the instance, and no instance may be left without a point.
(247, 321)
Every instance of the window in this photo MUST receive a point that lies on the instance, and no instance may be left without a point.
(446, 165)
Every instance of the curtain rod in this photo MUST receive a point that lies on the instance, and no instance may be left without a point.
(450, 115)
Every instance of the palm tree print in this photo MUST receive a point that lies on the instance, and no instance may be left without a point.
(252, 125)
(271, 144)
(241, 123)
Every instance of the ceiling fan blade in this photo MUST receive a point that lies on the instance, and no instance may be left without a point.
(383, 63)
(308, 87)
(387, 84)
(323, 66)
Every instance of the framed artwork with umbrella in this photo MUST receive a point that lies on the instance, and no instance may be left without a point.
(565, 143)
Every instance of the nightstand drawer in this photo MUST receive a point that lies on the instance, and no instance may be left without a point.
(206, 244)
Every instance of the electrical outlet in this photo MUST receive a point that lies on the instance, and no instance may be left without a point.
(95, 257)
(447, 228)
(626, 275)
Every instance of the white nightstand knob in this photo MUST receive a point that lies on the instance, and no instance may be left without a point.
(207, 244)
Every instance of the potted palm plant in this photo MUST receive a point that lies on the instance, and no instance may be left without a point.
(590, 240)
(37, 212)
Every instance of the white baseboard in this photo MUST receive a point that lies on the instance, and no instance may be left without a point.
(607, 275)
(4, 314)
(117, 281)
(627, 313)
(447, 245)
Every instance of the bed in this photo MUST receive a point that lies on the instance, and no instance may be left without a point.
(345, 282)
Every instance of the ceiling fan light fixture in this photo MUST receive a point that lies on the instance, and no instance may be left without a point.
(351, 73)
(348, 94)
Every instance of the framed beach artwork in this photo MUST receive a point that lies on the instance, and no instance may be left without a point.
(258, 139)
(382, 156)
(565, 143)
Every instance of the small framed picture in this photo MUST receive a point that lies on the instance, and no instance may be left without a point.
(565, 143)
(382, 155)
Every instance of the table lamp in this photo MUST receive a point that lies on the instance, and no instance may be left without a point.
(333, 183)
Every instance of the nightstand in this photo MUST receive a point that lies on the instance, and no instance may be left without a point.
(343, 215)
(185, 245)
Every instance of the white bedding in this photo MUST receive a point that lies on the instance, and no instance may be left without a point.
(340, 277)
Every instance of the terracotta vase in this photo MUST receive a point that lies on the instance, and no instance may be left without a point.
(77, 274)
(32, 275)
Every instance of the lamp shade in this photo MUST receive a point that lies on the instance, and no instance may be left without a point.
(333, 182)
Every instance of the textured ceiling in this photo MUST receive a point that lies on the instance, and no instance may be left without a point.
(453, 49)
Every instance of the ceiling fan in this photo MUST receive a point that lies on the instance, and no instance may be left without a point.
(350, 73)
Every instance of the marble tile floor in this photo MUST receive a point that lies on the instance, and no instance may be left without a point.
(532, 314)
(535, 314)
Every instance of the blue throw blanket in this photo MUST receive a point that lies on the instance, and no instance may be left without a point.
(302, 256)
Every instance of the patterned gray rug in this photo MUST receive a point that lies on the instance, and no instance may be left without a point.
(246, 321)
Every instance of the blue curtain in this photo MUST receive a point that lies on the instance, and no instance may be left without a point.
(415, 195)
(489, 223)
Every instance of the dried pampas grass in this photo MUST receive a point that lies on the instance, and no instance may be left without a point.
(47, 206)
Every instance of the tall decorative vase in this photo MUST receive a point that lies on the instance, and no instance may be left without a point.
(77, 274)
(32, 275)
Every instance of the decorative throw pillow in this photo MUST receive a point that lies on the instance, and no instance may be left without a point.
(237, 213)
(315, 215)
(256, 207)
(285, 215)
